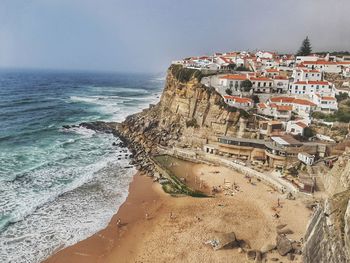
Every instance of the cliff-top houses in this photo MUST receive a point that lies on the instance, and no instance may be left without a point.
(283, 88)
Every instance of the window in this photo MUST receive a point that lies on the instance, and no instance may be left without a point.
(270, 84)
(264, 84)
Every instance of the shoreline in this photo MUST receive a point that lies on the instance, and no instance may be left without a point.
(114, 238)
(248, 212)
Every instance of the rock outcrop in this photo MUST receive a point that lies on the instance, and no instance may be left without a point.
(189, 114)
(328, 234)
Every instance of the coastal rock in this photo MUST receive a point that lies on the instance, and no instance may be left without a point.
(290, 256)
(284, 245)
(267, 248)
(285, 231)
(325, 239)
(251, 254)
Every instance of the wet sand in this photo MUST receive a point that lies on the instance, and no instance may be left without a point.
(247, 211)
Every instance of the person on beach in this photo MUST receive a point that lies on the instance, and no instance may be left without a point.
(278, 202)
(119, 222)
(147, 216)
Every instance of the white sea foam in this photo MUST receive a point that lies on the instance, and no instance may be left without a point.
(76, 185)
(61, 216)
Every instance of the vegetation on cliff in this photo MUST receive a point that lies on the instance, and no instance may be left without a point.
(185, 74)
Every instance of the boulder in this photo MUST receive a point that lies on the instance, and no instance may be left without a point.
(279, 227)
(251, 254)
(224, 241)
(244, 244)
(267, 248)
(284, 245)
(258, 256)
(290, 256)
(285, 231)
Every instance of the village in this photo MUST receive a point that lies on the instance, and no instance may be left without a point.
(291, 100)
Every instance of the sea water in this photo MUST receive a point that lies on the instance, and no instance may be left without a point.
(59, 186)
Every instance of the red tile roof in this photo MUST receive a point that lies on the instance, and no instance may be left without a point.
(262, 105)
(328, 98)
(280, 77)
(239, 99)
(284, 107)
(304, 102)
(234, 77)
(292, 100)
(301, 124)
(310, 82)
(260, 79)
(282, 99)
(319, 62)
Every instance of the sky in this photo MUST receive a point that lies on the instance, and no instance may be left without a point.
(146, 35)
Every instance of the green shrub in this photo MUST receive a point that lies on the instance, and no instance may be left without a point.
(185, 74)
(228, 91)
(192, 123)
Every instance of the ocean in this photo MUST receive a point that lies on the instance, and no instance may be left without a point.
(59, 186)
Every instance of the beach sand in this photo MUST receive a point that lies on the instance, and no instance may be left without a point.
(181, 238)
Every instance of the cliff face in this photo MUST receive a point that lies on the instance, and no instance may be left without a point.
(188, 114)
(328, 235)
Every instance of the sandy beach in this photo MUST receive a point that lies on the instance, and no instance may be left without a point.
(175, 229)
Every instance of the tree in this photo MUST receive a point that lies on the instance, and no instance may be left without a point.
(246, 85)
(231, 66)
(305, 48)
(308, 132)
(256, 99)
(228, 91)
(342, 96)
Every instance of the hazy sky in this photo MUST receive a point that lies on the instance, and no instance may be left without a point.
(145, 35)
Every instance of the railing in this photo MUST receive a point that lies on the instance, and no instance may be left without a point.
(200, 156)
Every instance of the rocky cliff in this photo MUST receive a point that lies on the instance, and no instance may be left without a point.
(189, 114)
(328, 235)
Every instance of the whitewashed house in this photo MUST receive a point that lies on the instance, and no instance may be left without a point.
(262, 84)
(310, 87)
(232, 82)
(302, 107)
(295, 127)
(239, 102)
(301, 59)
(324, 66)
(325, 103)
(306, 158)
(281, 112)
(306, 74)
(280, 84)
(264, 54)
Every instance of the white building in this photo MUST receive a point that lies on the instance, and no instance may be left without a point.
(264, 54)
(306, 74)
(262, 84)
(324, 66)
(301, 59)
(306, 158)
(280, 84)
(239, 102)
(282, 112)
(325, 103)
(302, 107)
(232, 82)
(296, 127)
(311, 87)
